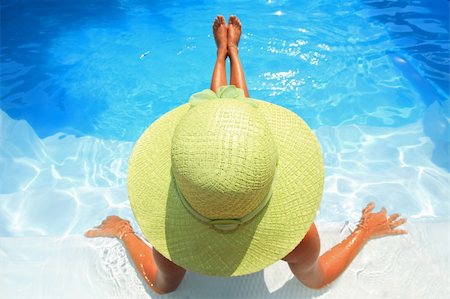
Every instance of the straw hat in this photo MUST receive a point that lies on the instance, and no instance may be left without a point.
(226, 185)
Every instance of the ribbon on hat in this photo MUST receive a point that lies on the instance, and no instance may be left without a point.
(226, 224)
(224, 92)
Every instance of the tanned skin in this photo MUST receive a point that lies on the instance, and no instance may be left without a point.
(314, 271)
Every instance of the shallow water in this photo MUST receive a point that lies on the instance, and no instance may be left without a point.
(411, 266)
(80, 81)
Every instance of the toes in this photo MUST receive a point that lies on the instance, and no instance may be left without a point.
(238, 22)
(231, 20)
(234, 21)
(221, 20)
(216, 22)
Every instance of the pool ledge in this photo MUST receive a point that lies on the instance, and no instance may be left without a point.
(410, 266)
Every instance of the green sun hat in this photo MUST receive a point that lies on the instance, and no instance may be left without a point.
(226, 185)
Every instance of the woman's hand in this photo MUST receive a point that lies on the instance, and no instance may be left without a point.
(112, 226)
(377, 225)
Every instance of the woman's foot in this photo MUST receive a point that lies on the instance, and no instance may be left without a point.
(234, 33)
(220, 34)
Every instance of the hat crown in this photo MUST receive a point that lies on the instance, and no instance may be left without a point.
(223, 158)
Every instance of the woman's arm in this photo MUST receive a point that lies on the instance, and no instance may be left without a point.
(161, 275)
(317, 272)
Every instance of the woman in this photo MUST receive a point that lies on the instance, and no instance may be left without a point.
(164, 276)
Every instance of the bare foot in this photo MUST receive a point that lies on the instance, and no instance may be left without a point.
(234, 32)
(220, 33)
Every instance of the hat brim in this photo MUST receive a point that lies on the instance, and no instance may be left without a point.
(267, 238)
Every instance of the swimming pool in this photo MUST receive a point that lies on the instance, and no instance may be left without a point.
(81, 80)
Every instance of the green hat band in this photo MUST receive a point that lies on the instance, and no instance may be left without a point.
(226, 224)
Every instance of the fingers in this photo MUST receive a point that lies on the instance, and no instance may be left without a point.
(92, 233)
(116, 218)
(104, 232)
(370, 206)
(110, 227)
(398, 222)
(393, 224)
(398, 232)
(104, 222)
(110, 221)
(393, 217)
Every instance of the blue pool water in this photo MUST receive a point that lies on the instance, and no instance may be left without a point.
(81, 80)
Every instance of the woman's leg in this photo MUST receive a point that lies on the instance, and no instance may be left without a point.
(219, 77)
(237, 76)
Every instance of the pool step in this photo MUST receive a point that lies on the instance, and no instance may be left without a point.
(410, 266)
